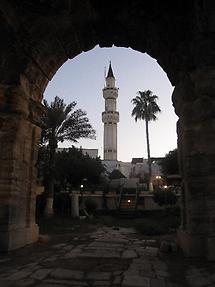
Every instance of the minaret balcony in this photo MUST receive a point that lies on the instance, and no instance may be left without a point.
(110, 116)
(110, 93)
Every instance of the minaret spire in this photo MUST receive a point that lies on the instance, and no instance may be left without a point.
(110, 72)
(110, 117)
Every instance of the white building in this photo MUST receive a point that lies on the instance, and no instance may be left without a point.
(140, 167)
(93, 153)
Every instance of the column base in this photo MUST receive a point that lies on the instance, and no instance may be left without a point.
(16, 237)
(193, 245)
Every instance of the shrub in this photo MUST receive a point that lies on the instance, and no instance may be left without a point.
(164, 197)
(151, 228)
(90, 204)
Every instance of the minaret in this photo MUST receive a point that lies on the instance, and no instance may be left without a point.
(110, 117)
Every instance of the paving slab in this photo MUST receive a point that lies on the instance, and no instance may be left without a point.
(41, 274)
(108, 258)
(61, 273)
(129, 254)
(136, 281)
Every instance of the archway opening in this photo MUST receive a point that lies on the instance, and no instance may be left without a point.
(82, 79)
(40, 37)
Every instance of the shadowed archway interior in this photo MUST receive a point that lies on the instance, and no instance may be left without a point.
(38, 37)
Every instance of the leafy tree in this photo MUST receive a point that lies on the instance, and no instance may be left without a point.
(73, 166)
(146, 108)
(61, 122)
(116, 174)
(164, 197)
(169, 164)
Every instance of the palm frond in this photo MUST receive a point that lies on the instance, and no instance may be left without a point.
(145, 106)
(64, 123)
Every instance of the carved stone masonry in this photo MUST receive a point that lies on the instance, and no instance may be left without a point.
(19, 138)
(195, 105)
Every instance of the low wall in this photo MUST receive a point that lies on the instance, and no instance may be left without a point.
(145, 200)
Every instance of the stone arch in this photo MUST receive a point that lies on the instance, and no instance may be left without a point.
(38, 37)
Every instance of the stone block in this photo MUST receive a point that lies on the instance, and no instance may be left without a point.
(61, 273)
(211, 248)
(41, 274)
(136, 281)
(102, 276)
(15, 237)
(19, 275)
(193, 245)
(129, 254)
(157, 282)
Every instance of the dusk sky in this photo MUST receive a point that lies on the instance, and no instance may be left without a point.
(82, 80)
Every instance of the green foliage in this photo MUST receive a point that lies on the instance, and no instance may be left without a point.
(151, 228)
(42, 165)
(116, 174)
(62, 122)
(169, 164)
(145, 106)
(73, 166)
(90, 204)
(164, 197)
(159, 222)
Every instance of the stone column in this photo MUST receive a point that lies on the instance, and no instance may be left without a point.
(75, 205)
(194, 100)
(19, 136)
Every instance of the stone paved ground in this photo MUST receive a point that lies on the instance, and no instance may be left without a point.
(106, 257)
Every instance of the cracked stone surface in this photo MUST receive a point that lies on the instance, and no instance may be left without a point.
(109, 257)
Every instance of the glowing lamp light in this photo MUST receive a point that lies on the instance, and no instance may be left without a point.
(82, 185)
(165, 186)
(129, 200)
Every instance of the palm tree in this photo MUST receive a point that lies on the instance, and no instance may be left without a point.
(146, 108)
(61, 122)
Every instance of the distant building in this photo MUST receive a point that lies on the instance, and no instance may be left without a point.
(140, 167)
(93, 153)
(123, 167)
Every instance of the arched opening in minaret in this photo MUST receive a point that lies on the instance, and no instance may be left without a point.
(82, 79)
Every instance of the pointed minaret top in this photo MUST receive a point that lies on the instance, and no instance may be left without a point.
(110, 72)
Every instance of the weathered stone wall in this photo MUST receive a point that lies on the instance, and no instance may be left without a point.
(19, 137)
(37, 37)
(195, 105)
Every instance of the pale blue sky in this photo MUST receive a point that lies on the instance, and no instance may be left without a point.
(82, 80)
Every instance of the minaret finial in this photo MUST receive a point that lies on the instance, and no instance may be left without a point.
(110, 72)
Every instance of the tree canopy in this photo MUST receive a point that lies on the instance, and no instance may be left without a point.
(62, 122)
(145, 106)
(116, 174)
(73, 168)
(169, 164)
